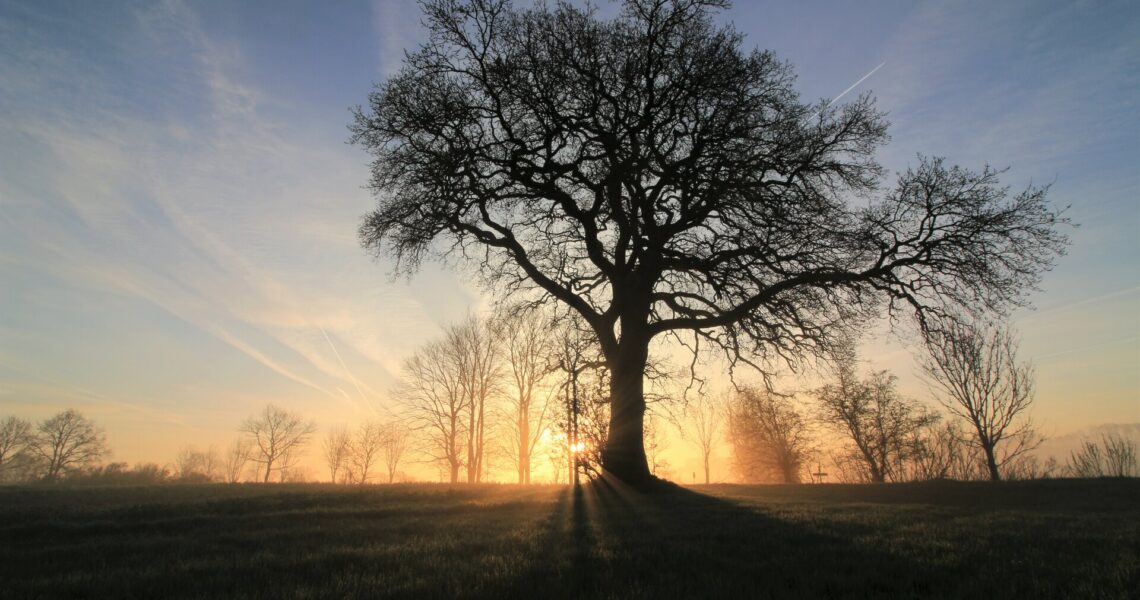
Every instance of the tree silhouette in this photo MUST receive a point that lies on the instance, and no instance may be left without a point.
(394, 439)
(975, 366)
(770, 440)
(434, 401)
(67, 441)
(15, 436)
(651, 175)
(365, 450)
(528, 353)
(705, 417)
(879, 424)
(237, 456)
(278, 437)
(336, 448)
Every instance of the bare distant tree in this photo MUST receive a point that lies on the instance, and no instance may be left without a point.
(394, 444)
(878, 422)
(1114, 457)
(593, 422)
(289, 467)
(477, 357)
(433, 397)
(705, 415)
(336, 448)
(1087, 461)
(1030, 466)
(185, 464)
(653, 175)
(237, 457)
(528, 343)
(67, 441)
(365, 450)
(556, 454)
(941, 450)
(770, 440)
(278, 437)
(655, 445)
(192, 464)
(15, 435)
(211, 463)
(583, 418)
(1120, 457)
(976, 368)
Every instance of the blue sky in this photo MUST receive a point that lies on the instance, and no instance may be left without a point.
(178, 204)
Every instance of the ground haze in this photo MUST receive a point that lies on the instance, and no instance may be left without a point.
(1052, 538)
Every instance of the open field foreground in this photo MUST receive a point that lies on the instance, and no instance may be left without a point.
(1019, 539)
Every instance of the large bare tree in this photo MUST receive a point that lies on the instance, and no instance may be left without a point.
(278, 437)
(983, 382)
(67, 441)
(654, 176)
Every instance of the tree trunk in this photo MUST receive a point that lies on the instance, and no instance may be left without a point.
(991, 463)
(876, 472)
(479, 447)
(706, 469)
(455, 472)
(268, 470)
(624, 453)
(471, 444)
(524, 446)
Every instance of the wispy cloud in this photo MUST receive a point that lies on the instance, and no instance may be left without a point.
(138, 205)
(397, 27)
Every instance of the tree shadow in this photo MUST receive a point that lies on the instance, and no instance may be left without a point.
(607, 540)
(603, 540)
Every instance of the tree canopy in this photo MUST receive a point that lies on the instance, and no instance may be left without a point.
(655, 177)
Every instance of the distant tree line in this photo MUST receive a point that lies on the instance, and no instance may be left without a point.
(489, 391)
(520, 389)
(71, 447)
(984, 433)
(54, 449)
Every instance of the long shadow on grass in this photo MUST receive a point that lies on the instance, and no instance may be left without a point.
(609, 541)
(600, 541)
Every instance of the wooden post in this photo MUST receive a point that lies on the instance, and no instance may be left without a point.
(574, 448)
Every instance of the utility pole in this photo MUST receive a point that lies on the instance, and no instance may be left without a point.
(575, 447)
(570, 437)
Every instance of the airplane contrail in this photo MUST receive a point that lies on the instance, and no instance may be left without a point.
(351, 377)
(854, 85)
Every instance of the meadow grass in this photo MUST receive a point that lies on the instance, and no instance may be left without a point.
(1060, 538)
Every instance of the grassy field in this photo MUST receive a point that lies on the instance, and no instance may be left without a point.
(1063, 539)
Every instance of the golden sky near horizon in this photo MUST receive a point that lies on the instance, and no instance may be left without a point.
(178, 207)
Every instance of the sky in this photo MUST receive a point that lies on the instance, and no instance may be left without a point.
(178, 203)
